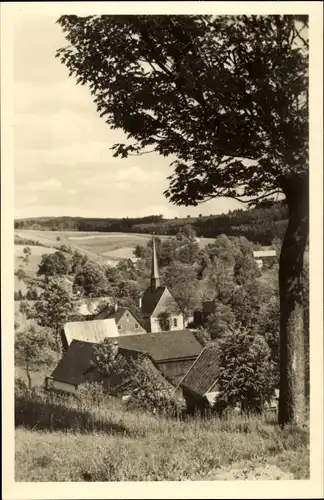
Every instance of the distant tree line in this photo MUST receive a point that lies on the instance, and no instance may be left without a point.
(261, 224)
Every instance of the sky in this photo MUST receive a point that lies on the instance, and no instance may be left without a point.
(63, 162)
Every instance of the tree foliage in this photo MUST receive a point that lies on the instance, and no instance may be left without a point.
(52, 310)
(245, 371)
(53, 264)
(27, 253)
(33, 348)
(135, 377)
(92, 279)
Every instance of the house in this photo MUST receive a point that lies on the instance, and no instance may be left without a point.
(171, 354)
(76, 367)
(199, 384)
(125, 320)
(262, 256)
(172, 351)
(159, 309)
(200, 316)
(88, 331)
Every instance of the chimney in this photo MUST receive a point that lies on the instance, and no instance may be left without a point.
(140, 302)
(116, 307)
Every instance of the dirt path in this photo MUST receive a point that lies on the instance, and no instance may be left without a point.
(247, 471)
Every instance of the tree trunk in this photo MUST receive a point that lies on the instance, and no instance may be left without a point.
(28, 374)
(292, 408)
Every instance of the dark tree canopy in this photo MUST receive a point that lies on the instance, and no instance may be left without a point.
(209, 91)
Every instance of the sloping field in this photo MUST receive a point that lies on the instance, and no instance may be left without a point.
(98, 246)
(34, 260)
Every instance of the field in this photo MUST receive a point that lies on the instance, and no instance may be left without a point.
(34, 260)
(101, 247)
(109, 443)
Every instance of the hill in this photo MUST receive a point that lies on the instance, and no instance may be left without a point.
(260, 225)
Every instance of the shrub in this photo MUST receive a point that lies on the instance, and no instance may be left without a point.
(246, 377)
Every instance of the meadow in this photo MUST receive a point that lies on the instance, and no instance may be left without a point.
(66, 440)
(99, 247)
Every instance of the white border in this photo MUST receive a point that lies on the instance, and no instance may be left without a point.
(230, 489)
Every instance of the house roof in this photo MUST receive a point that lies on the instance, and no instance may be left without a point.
(74, 364)
(264, 253)
(90, 331)
(116, 315)
(163, 345)
(203, 373)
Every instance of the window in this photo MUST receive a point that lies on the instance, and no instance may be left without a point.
(136, 325)
(119, 327)
(175, 322)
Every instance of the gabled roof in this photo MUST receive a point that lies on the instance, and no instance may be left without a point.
(116, 315)
(90, 331)
(163, 346)
(74, 364)
(203, 373)
(156, 301)
(151, 298)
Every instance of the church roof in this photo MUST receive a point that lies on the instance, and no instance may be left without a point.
(151, 298)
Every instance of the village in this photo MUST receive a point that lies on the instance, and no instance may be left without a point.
(165, 338)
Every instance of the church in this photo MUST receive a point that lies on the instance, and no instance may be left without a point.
(159, 309)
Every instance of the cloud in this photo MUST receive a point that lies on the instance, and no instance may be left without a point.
(46, 185)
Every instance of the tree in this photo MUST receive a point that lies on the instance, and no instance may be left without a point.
(52, 310)
(33, 348)
(136, 377)
(76, 262)
(53, 264)
(245, 371)
(92, 279)
(245, 269)
(227, 96)
(21, 275)
(27, 254)
(218, 322)
(188, 231)
(164, 321)
(182, 281)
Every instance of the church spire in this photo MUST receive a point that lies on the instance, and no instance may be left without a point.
(155, 278)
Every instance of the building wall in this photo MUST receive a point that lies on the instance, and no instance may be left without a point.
(61, 386)
(175, 370)
(128, 324)
(176, 323)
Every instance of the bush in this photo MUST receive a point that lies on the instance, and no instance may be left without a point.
(246, 375)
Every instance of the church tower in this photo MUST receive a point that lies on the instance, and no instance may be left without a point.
(159, 310)
(155, 277)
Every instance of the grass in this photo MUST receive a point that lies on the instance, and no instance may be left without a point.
(35, 258)
(105, 442)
